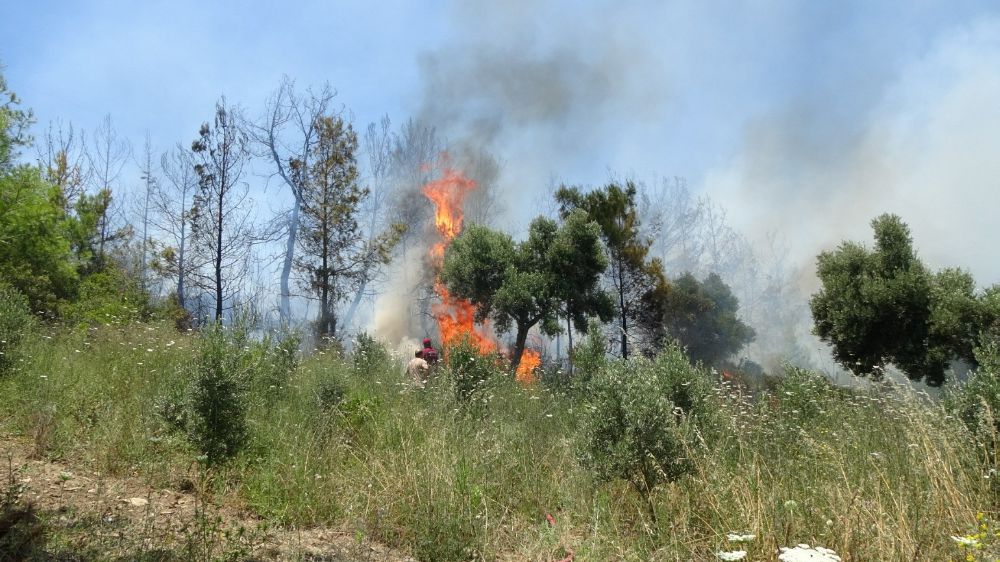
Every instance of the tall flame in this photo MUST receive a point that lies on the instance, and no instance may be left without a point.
(530, 360)
(456, 316)
(448, 194)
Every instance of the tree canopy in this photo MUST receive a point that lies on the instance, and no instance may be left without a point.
(521, 285)
(700, 315)
(630, 274)
(35, 253)
(883, 306)
(335, 255)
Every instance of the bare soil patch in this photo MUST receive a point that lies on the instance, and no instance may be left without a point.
(83, 515)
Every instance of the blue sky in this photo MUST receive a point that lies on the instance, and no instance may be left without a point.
(826, 113)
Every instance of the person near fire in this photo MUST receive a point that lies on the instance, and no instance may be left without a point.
(430, 354)
(417, 369)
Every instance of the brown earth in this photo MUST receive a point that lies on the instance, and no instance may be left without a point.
(85, 515)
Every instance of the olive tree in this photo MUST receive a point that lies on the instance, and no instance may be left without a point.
(523, 285)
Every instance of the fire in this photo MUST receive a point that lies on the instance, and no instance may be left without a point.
(448, 194)
(530, 360)
(456, 319)
(456, 316)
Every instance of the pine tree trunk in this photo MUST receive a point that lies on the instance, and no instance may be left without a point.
(218, 263)
(180, 271)
(284, 306)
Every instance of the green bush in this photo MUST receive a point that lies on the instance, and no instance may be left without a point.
(802, 395)
(589, 357)
(470, 372)
(15, 322)
(218, 426)
(271, 362)
(977, 401)
(640, 417)
(330, 393)
(170, 309)
(107, 297)
(370, 355)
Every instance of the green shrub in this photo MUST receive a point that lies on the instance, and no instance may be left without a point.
(802, 395)
(470, 372)
(977, 401)
(370, 355)
(107, 297)
(15, 322)
(170, 309)
(330, 393)
(589, 357)
(217, 425)
(639, 418)
(271, 362)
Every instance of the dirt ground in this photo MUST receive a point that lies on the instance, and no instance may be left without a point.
(86, 516)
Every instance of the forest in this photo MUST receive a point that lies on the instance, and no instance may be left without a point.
(203, 350)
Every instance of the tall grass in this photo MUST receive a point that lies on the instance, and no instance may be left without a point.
(348, 443)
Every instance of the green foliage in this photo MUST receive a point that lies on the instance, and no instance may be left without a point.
(108, 296)
(284, 357)
(475, 267)
(16, 324)
(404, 469)
(590, 357)
(370, 355)
(470, 372)
(701, 316)
(524, 285)
(170, 309)
(330, 393)
(640, 417)
(884, 306)
(35, 255)
(630, 275)
(218, 401)
(977, 401)
(14, 123)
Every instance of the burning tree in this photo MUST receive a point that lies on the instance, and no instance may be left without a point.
(522, 285)
(456, 315)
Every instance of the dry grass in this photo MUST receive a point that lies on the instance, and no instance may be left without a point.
(881, 475)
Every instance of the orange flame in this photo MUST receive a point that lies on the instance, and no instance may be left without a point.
(457, 319)
(448, 194)
(456, 316)
(530, 360)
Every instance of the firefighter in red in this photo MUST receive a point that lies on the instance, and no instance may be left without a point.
(430, 354)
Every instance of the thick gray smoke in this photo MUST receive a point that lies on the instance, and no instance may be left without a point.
(514, 104)
(544, 96)
(795, 128)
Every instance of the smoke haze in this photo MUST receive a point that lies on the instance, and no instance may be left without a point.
(860, 124)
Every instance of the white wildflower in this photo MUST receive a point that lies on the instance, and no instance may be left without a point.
(965, 541)
(734, 555)
(805, 553)
(736, 537)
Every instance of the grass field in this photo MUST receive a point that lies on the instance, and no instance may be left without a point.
(328, 441)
